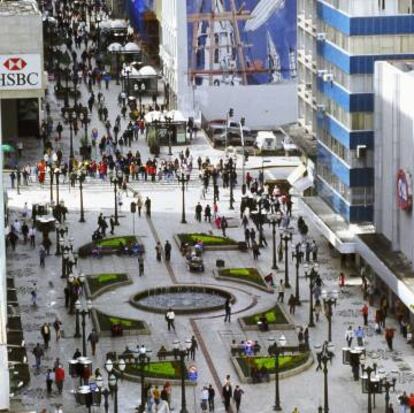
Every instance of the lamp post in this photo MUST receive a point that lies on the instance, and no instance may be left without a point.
(297, 255)
(98, 31)
(387, 382)
(61, 230)
(168, 119)
(83, 313)
(324, 354)
(113, 379)
(139, 88)
(143, 359)
(182, 353)
(70, 116)
(231, 168)
(75, 80)
(274, 220)
(81, 179)
(286, 237)
(105, 392)
(367, 383)
(50, 169)
(329, 300)
(116, 180)
(313, 277)
(229, 116)
(275, 349)
(57, 174)
(183, 180)
(241, 124)
(127, 71)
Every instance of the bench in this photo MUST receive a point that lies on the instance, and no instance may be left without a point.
(239, 350)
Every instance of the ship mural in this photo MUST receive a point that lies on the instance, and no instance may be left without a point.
(241, 42)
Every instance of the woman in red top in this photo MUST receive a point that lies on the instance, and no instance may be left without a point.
(59, 378)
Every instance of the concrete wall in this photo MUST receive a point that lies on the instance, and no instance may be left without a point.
(394, 148)
(264, 106)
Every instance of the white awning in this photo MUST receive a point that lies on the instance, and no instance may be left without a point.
(302, 184)
(297, 174)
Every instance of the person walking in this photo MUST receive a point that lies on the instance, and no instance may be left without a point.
(314, 251)
(93, 338)
(57, 325)
(227, 310)
(281, 292)
(139, 205)
(59, 378)
(317, 308)
(158, 250)
(42, 255)
(359, 333)
(193, 348)
(45, 332)
(50, 377)
(349, 335)
(207, 213)
(211, 397)
(167, 251)
(38, 354)
(170, 317)
(292, 304)
(227, 393)
(204, 399)
(237, 396)
(389, 337)
(148, 207)
(364, 312)
(112, 224)
(198, 211)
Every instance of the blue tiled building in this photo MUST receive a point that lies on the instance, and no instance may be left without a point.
(338, 43)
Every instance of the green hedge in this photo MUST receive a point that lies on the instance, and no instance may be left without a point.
(285, 363)
(107, 245)
(273, 316)
(168, 370)
(247, 274)
(106, 322)
(207, 239)
(97, 282)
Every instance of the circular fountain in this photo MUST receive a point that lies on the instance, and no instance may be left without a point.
(183, 299)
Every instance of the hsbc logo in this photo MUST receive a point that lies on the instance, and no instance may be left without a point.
(19, 72)
(15, 63)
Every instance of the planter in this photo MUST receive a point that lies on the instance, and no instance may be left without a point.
(99, 284)
(104, 322)
(210, 242)
(247, 276)
(289, 365)
(276, 317)
(108, 246)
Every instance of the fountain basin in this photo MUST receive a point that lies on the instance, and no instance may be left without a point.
(183, 299)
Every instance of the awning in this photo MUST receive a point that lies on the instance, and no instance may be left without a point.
(297, 174)
(302, 184)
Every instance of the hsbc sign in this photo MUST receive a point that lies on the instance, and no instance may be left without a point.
(20, 72)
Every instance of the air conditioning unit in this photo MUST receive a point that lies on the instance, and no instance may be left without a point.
(361, 151)
(328, 77)
(320, 108)
(321, 72)
(321, 36)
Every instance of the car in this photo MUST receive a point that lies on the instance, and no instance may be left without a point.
(233, 138)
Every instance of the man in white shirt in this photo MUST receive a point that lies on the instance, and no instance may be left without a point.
(170, 317)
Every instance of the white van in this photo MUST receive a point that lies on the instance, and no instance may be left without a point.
(266, 141)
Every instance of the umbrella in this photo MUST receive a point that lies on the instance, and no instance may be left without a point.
(7, 148)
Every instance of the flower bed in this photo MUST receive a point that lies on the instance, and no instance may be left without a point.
(98, 284)
(109, 245)
(104, 322)
(207, 239)
(267, 364)
(251, 275)
(273, 316)
(168, 370)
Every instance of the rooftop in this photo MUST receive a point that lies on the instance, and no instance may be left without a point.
(19, 8)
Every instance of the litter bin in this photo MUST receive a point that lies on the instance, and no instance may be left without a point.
(220, 263)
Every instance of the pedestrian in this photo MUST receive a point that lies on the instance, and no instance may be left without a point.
(167, 251)
(112, 224)
(390, 408)
(170, 317)
(42, 255)
(349, 335)
(50, 378)
(45, 332)
(148, 207)
(158, 250)
(32, 236)
(38, 353)
(227, 393)
(141, 264)
(93, 338)
(389, 337)
(403, 402)
(223, 225)
(359, 333)
(207, 213)
(139, 205)
(33, 295)
(255, 250)
(198, 211)
(317, 308)
(308, 251)
(341, 280)
(193, 348)
(57, 325)
(227, 310)
(364, 312)
(204, 399)
(281, 292)
(59, 378)
(314, 251)
(211, 397)
(292, 304)
(237, 396)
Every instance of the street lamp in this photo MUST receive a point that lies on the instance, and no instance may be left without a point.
(231, 172)
(274, 220)
(297, 255)
(314, 279)
(229, 116)
(98, 31)
(329, 300)
(182, 353)
(168, 119)
(286, 237)
(324, 354)
(75, 80)
(183, 180)
(50, 169)
(241, 124)
(61, 230)
(105, 393)
(275, 349)
(143, 359)
(139, 88)
(113, 379)
(127, 71)
(367, 383)
(70, 117)
(387, 382)
(81, 179)
(83, 313)
(117, 181)
(57, 174)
